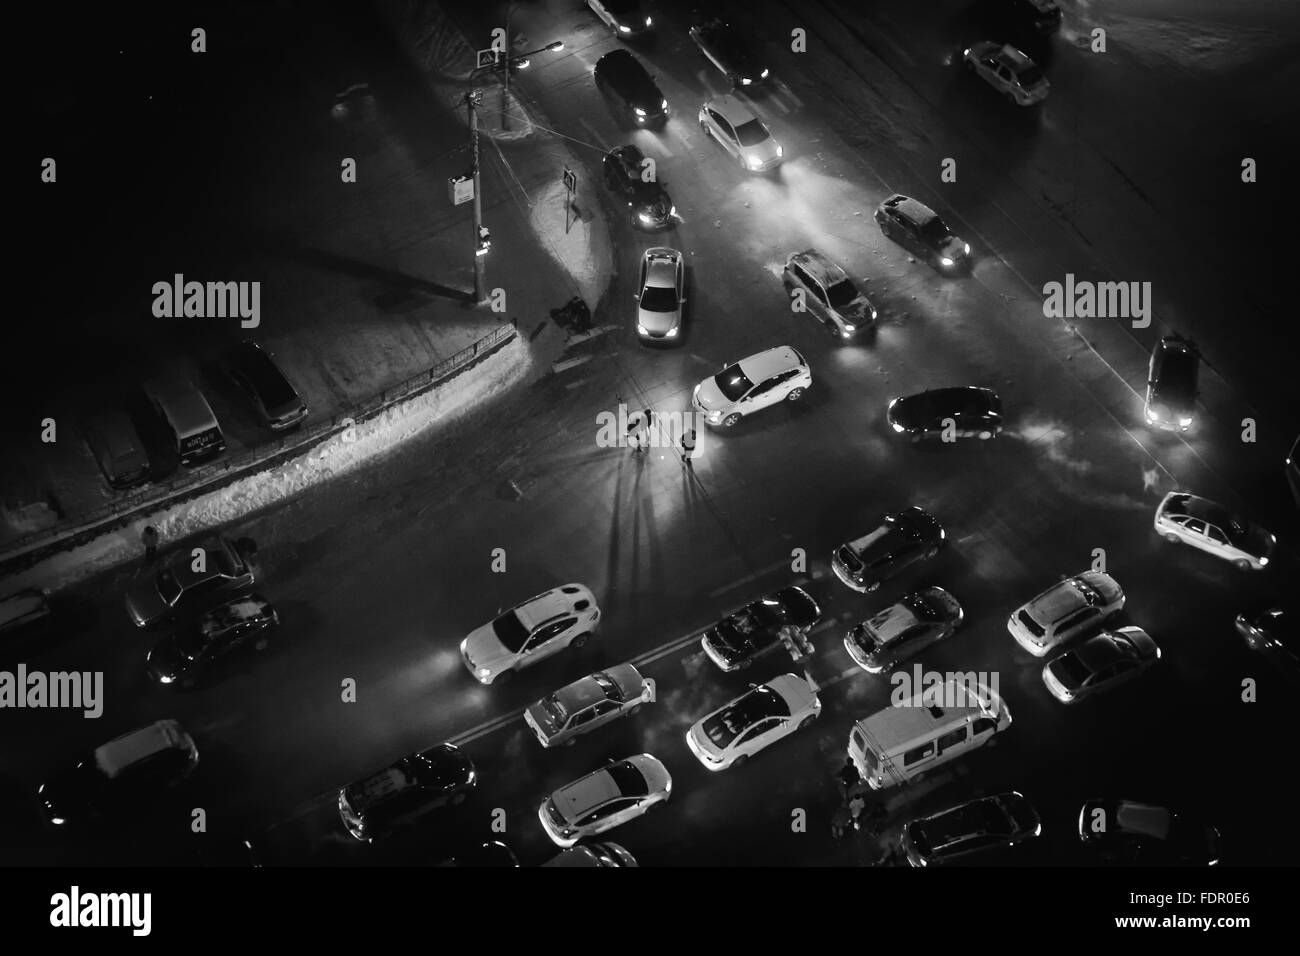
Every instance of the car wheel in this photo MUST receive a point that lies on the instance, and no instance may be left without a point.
(578, 641)
(807, 720)
(795, 395)
(1241, 564)
(732, 420)
(1171, 537)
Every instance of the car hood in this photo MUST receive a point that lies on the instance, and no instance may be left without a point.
(952, 248)
(710, 397)
(484, 649)
(657, 323)
(144, 603)
(167, 660)
(764, 152)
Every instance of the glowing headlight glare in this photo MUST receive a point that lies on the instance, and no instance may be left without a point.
(966, 247)
(623, 29)
(849, 327)
(763, 75)
(897, 427)
(663, 104)
(672, 333)
(946, 261)
(484, 672)
(638, 111)
(780, 151)
(649, 21)
(755, 163)
(641, 329)
(746, 81)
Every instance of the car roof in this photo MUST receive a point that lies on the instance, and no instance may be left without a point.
(1194, 506)
(21, 604)
(247, 607)
(818, 265)
(588, 690)
(182, 399)
(123, 752)
(1145, 819)
(893, 726)
(222, 558)
(891, 623)
(1013, 57)
(915, 210)
(551, 604)
(763, 365)
(1065, 596)
(589, 792)
(731, 109)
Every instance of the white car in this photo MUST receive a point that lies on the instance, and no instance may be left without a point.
(1100, 662)
(661, 297)
(1211, 527)
(624, 17)
(588, 703)
(1066, 610)
(530, 632)
(616, 793)
(1008, 71)
(741, 133)
(753, 383)
(758, 718)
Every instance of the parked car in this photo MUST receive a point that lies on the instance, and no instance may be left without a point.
(194, 433)
(1126, 831)
(1007, 70)
(190, 576)
(530, 632)
(747, 633)
(736, 128)
(1171, 384)
(918, 229)
(727, 49)
(194, 649)
(752, 384)
(1043, 16)
(620, 791)
(23, 610)
(1273, 630)
(899, 541)
(1210, 527)
(661, 296)
(117, 448)
(1068, 609)
(903, 630)
(275, 401)
(125, 776)
(406, 792)
(625, 18)
(590, 702)
(972, 827)
(968, 411)
(623, 75)
(1099, 663)
(648, 203)
(753, 721)
(593, 854)
(829, 294)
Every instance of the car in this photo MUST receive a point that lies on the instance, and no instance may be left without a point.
(23, 610)
(593, 854)
(1006, 819)
(117, 448)
(185, 581)
(647, 201)
(1210, 527)
(590, 702)
(661, 296)
(275, 401)
(902, 630)
(620, 791)
(1099, 663)
(899, 541)
(753, 721)
(1126, 831)
(727, 49)
(1068, 609)
(1044, 16)
(192, 650)
(530, 632)
(755, 629)
(1171, 384)
(491, 855)
(919, 229)
(752, 384)
(406, 792)
(736, 129)
(124, 776)
(1273, 630)
(828, 294)
(962, 411)
(1007, 70)
(625, 18)
(624, 76)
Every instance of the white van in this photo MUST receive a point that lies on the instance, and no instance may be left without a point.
(189, 418)
(899, 743)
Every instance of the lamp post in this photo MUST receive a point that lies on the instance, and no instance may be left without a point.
(480, 250)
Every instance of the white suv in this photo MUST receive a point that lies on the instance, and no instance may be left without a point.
(1064, 611)
(1008, 71)
(530, 632)
(744, 387)
(1213, 528)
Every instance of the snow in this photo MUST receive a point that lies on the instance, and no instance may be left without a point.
(363, 445)
(583, 252)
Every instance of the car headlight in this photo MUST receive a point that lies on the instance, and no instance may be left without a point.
(641, 329)
(645, 217)
(623, 29)
(649, 21)
(897, 427)
(745, 81)
(715, 416)
(1263, 561)
(672, 333)
(1151, 415)
(753, 163)
(780, 151)
(673, 211)
(664, 105)
(763, 75)
(849, 329)
(1185, 422)
(165, 678)
(484, 672)
(638, 111)
(57, 821)
(946, 261)
(966, 248)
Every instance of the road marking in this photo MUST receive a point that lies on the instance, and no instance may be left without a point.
(762, 572)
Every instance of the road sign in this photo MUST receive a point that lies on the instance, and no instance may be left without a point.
(570, 180)
(487, 57)
(461, 188)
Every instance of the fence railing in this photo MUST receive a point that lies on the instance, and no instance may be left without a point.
(75, 530)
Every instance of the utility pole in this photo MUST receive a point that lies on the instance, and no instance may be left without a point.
(480, 267)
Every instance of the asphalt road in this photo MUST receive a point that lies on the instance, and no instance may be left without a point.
(378, 578)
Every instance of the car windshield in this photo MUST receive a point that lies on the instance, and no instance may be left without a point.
(555, 710)
(629, 781)
(918, 606)
(751, 133)
(168, 587)
(1030, 76)
(842, 293)
(659, 299)
(732, 721)
(510, 631)
(266, 378)
(733, 383)
(935, 231)
(1070, 671)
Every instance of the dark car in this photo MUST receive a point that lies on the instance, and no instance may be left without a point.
(1125, 831)
(1275, 630)
(187, 580)
(624, 76)
(726, 48)
(276, 402)
(24, 611)
(648, 204)
(402, 794)
(755, 629)
(625, 18)
(900, 540)
(125, 776)
(919, 229)
(968, 411)
(1171, 384)
(1043, 16)
(185, 656)
(117, 448)
(972, 827)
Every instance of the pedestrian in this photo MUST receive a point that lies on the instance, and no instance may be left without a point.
(840, 822)
(688, 447)
(856, 806)
(149, 537)
(849, 776)
(649, 425)
(634, 435)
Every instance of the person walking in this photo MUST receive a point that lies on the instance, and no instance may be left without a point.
(849, 777)
(149, 538)
(856, 806)
(688, 447)
(634, 435)
(840, 821)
